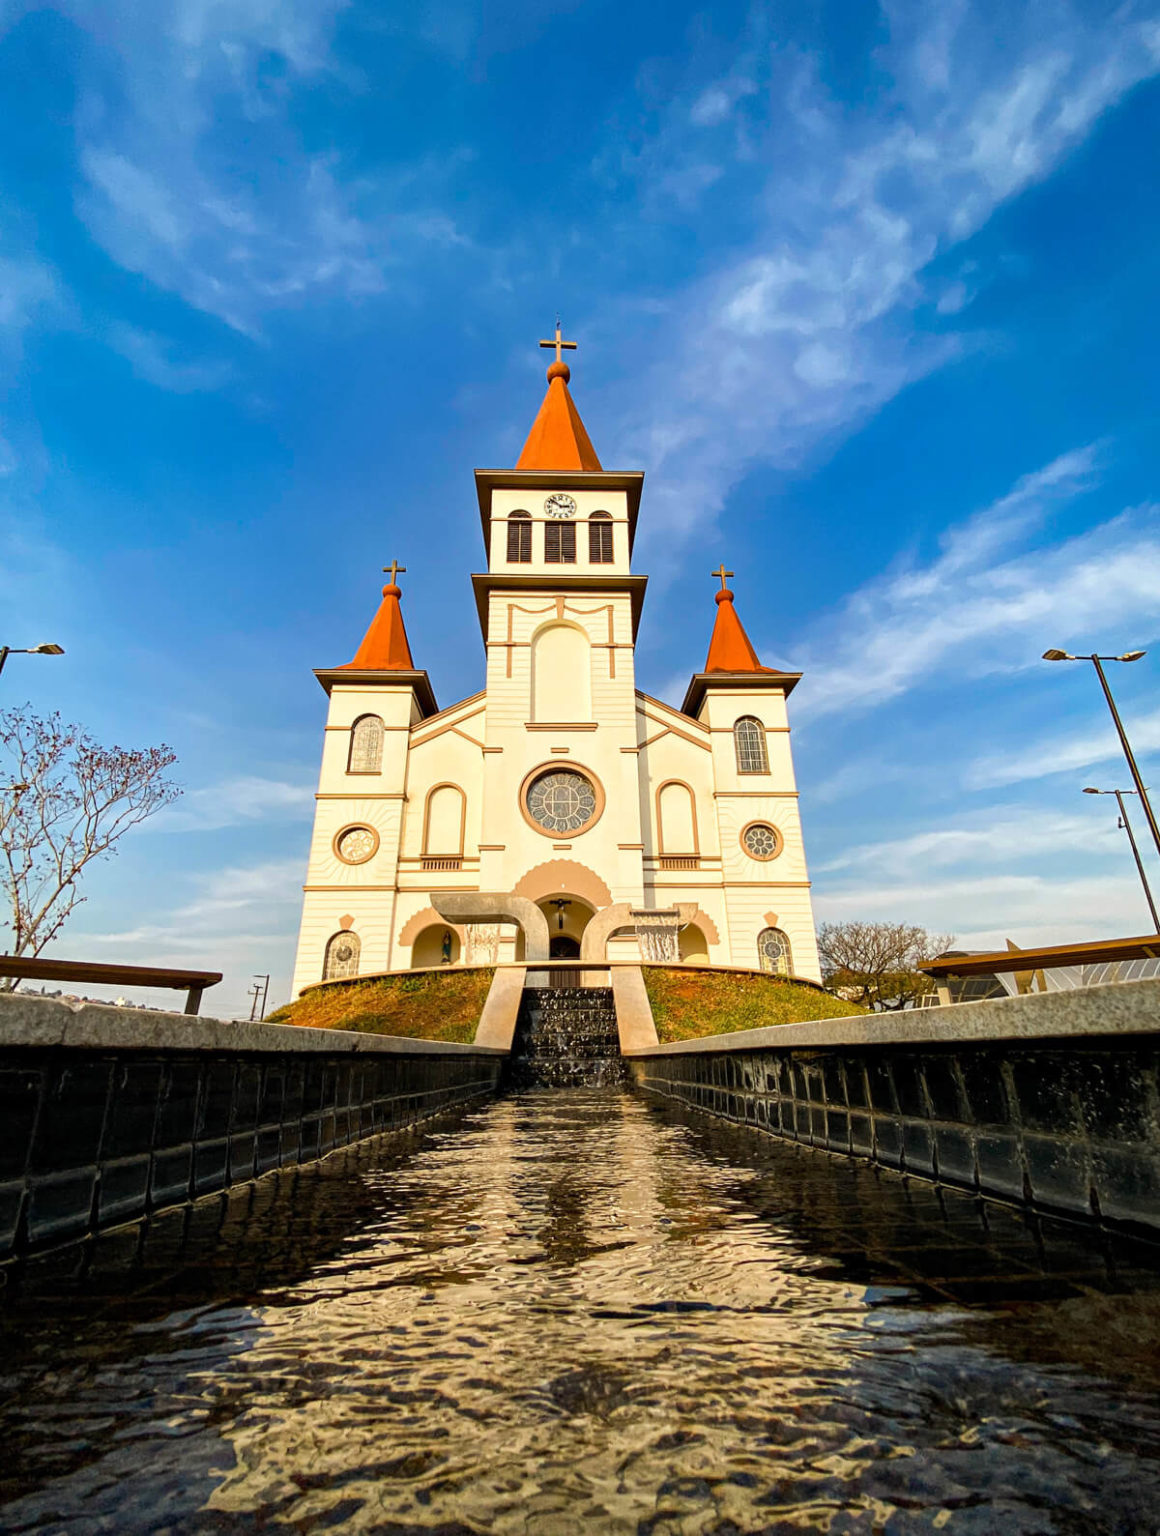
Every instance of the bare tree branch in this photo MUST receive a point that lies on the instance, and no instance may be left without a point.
(876, 964)
(76, 801)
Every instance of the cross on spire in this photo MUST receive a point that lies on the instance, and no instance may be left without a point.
(559, 343)
(393, 570)
(722, 573)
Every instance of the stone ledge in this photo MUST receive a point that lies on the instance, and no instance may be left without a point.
(1116, 1008)
(46, 1023)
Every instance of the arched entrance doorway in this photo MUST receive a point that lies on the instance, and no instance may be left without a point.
(567, 917)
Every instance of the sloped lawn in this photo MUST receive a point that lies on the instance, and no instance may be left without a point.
(688, 1004)
(430, 1005)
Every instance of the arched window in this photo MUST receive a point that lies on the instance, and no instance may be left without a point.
(366, 745)
(342, 952)
(560, 543)
(561, 674)
(519, 538)
(600, 539)
(749, 739)
(773, 952)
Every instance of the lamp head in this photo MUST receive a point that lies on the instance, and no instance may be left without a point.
(1058, 656)
(58, 650)
(1131, 655)
(1090, 791)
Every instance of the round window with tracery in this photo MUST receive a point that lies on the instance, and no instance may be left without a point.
(761, 841)
(561, 801)
(355, 845)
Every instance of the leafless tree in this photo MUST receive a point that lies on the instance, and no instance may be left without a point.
(876, 964)
(64, 801)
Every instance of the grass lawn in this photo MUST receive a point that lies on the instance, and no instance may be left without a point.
(688, 1005)
(430, 1005)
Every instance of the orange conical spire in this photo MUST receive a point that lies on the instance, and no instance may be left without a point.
(730, 649)
(558, 439)
(384, 647)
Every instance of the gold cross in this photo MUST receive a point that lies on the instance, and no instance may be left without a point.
(559, 343)
(393, 570)
(723, 573)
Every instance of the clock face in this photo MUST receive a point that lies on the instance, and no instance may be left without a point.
(560, 505)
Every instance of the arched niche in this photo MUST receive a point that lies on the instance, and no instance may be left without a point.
(677, 818)
(443, 818)
(427, 949)
(561, 674)
(693, 945)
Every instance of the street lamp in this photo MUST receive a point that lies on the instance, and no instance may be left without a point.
(1127, 826)
(28, 650)
(1123, 735)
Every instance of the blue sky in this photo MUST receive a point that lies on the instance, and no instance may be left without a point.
(868, 291)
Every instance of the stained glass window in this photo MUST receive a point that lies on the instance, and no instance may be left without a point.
(366, 745)
(749, 739)
(342, 954)
(773, 952)
(561, 802)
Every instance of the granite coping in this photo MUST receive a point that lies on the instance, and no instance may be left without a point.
(1114, 1008)
(47, 1023)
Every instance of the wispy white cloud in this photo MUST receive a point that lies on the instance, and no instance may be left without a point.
(266, 223)
(154, 359)
(1093, 742)
(815, 325)
(985, 602)
(983, 911)
(234, 802)
(1001, 836)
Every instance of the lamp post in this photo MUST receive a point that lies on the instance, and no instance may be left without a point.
(1096, 662)
(1127, 826)
(28, 650)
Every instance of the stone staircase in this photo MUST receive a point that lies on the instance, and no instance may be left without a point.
(566, 1038)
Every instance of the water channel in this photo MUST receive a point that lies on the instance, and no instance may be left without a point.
(578, 1311)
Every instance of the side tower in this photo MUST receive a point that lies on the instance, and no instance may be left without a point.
(348, 908)
(765, 887)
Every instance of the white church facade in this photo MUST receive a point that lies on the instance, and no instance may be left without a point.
(561, 781)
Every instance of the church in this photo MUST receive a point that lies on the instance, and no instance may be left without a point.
(561, 781)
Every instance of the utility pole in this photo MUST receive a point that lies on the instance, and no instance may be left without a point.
(264, 991)
(254, 994)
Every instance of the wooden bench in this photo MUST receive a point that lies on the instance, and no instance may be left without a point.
(192, 983)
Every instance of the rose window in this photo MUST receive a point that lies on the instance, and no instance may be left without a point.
(760, 841)
(356, 845)
(561, 801)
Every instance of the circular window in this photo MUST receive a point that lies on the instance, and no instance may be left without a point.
(560, 800)
(761, 841)
(355, 845)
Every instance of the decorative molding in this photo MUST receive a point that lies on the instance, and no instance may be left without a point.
(561, 725)
(428, 918)
(755, 794)
(564, 875)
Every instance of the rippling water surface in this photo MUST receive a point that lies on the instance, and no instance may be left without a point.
(573, 1311)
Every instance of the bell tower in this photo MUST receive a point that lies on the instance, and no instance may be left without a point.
(559, 609)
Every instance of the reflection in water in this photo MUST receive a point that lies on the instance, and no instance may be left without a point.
(572, 1311)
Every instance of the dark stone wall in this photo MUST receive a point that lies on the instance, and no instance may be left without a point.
(1065, 1127)
(565, 1037)
(89, 1139)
